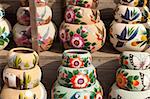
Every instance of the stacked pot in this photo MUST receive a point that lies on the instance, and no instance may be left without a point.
(45, 27)
(82, 27)
(22, 76)
(133, 78)
(129, 31)
(77, 77)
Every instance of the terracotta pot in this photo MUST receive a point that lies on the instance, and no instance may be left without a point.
(135, 60)
(94, 91)
(133, 80)
(88, 37)
(38, 92)
(135, 3)
(22, 79)
(83, 3)
(75, 58)
(117, 93)
(128, 37)
(80, 15)
(22, 58)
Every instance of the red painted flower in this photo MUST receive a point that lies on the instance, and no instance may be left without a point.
(63, 35)
(69, 15)
(98, 96)
(121, 80)
(76, 63)
(77, 41)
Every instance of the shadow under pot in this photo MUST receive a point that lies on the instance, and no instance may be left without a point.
(133, 80)
(134, 3)
(93, 92)
(128, 37)
(38, 92)
(135, 60)
(87, 37)
(117, 93)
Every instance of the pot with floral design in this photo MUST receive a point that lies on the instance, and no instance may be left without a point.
(38, 92)
(88, 37)
(93, 92)
(134, 3)
(80, 15)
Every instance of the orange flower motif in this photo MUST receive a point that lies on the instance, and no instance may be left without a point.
(125, 62)
(76, 63)
(121, 80)
(135, 83)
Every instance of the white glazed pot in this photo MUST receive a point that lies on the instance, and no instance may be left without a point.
(134, 3)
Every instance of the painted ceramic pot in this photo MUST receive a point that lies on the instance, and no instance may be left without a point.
(22, 58)
(38, 92)
(128, 37)
(135, 3)
(127, 14)
(83, 3)
(135, 60)
(93, 92)
(22, 36)
(133, 80)
(76, 58)
(22, 79)
(117, 93)
(77, 78)
(80, 15)
(88, 37)
(2, 13)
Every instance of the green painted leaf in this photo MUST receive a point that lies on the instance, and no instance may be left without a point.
(129, 86)
(125, 74)
(87, 44)
(71, 33)
(93, 44)
(75, 72)
(130, 78)
(78, 31)
(84, 35)
(76, 21)
(78, 15)
(2, 42)
(70, 75)
(62, 95)
(136, 77)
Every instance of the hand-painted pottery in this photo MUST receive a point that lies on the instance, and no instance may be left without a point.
(134, 3)
(77, 78)
(93, 92)
(76, 58)
(88, 37)
(38, 92)
(2, 13)
(135, 60)
(22, 58)
(128, 37)
(117, 93)
(83, 3)
(80, 15)
(22, 79)
(133, 80)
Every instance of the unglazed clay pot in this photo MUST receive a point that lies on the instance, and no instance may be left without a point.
(80, 15)
(88, 37)
(22, 79)
(133, 80)
(117, 93)
(22, 58)
(93, 92)
(38, 92)
(135, 60)
(75, 58)
(129, 14)
(77, 78)
(128, 37)
(83, 3)
(135, 3)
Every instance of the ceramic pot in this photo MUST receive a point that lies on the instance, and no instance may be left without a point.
(88, 37)
(76, 58)
(83, 3)
(128, 37)
(135, 3)
(77, 78)
(2, 13)
(38, 92)
(117, 93)
(22, 58)
(80, 15)
(133, 80)
(22, 79)
(135, 60)
(127, 14)
(93, 92)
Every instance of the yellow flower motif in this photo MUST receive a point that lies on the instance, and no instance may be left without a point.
(144, 38)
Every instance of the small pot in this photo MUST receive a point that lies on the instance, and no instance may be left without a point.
(134, 3)
(88, 37)
(22, 58)
(80, 15)
(76, 58)
(135, 60)
(133, 80)
(128, 37)
(60, 92)
(117, 93)
(38, 92)
(22, 79)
